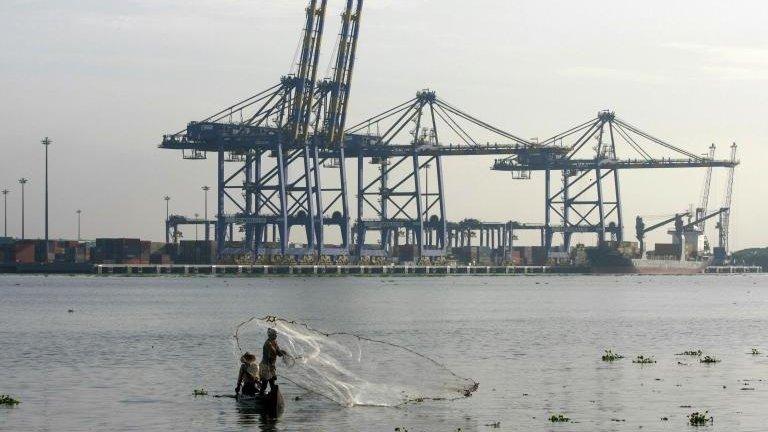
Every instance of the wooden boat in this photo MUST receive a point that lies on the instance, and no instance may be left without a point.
(271, 403)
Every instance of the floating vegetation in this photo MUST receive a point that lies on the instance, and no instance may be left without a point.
(559, 418)
(700, 419)
(755, 351)
(8, 400)
(610, 356)
(696, 353)
(709, 359)
(200, 392)
(643, 360)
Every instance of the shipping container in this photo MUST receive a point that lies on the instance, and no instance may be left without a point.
(514, 258)
(196, 252)
(160, 258)
(477, 255)
(407, 252)
(24, 252)
(121, 251)
(666, 249)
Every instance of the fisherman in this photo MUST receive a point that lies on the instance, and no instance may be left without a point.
(267, 369)
(247, 379)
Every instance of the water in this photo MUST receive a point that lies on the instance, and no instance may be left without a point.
(133, 350)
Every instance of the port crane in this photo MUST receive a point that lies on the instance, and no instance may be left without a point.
(680, 229)
(589, 197)
(403, 143)
(268, 136)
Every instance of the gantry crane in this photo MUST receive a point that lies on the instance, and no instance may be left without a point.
(394, 197)
(268, 136)
(589, 200)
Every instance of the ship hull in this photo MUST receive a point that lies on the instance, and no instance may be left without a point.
(668, 267)
(654, 267)
(607, 261)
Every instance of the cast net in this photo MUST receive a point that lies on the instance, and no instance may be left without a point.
(350, 369)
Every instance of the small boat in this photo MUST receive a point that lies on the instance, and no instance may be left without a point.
(271, 403)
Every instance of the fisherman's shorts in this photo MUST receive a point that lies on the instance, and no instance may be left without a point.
(267, 372)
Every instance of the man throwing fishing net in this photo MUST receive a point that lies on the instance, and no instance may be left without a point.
(267, 368)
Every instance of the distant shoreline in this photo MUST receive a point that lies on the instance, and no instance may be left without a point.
(310, 270)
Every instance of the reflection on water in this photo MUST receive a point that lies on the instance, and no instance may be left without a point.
(133, 350)
(250, 415)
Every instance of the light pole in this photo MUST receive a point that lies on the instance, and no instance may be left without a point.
(426, 206)
(46, 142)
(205, 191)
(426, 181)
(5, 212)
(167, 216)
(197, 215)
(22, 181)
(78, 223)
(207, 233)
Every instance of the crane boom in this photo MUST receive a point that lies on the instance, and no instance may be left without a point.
(307, 70)
(341, 82)
(725, 217)
(701, 219)
(702, 210)
(641, 229)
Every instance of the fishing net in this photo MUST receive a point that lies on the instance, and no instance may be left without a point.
(350, 369)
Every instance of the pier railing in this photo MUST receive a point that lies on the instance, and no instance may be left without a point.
(181, 269)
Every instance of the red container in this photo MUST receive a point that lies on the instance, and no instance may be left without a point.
(515, 258)
(24, 252)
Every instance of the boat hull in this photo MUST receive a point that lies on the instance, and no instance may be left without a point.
(271, 404)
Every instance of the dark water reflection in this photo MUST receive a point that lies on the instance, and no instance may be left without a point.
(130, 355)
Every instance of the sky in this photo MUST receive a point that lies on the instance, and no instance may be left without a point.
(106, 79)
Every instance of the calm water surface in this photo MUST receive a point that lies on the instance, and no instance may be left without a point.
(130, 355)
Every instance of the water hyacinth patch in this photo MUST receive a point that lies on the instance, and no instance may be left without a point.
(643, 360)
(8, 400)
(610, 356)
(200, 392)
(709, 359)
(700, 419)
(559, 418)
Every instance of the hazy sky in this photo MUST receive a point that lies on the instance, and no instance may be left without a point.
(106, 79)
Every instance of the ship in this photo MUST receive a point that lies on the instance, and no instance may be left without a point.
(608, 260)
